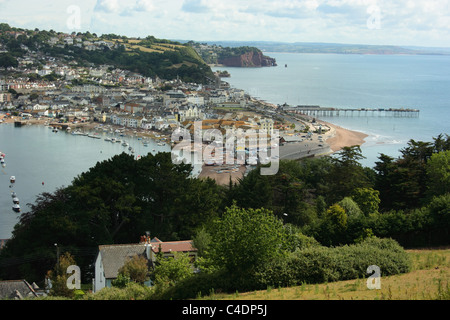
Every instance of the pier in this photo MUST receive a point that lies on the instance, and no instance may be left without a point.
(317, 111)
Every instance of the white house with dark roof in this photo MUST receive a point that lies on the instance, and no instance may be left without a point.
(111, 258)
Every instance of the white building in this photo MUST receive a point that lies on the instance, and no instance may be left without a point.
(195, 99)
(267, 125)
(218, 99)
(127, 121)
(89, 89)
(174, 97)
(38, 106)
(111, 258)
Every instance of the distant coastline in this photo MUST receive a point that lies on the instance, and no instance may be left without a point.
(336, 48)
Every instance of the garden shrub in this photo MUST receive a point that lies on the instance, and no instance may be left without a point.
(325, 264)
(310, 264)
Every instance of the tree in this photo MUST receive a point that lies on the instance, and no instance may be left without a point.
(331, 230)
(417, 150)
(350, 206)
(385, 179)
(441, 144)
(244, 239)
(346, 174)
(368, 200)
(7, 60)
(135, 269)
(59, 276)
(438, 174)
(169, 271)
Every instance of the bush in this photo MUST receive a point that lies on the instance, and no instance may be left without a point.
(323, 264)
(132, 291)
(311, 264)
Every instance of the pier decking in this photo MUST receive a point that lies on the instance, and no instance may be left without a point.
(318, 111)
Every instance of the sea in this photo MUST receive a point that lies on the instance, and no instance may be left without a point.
(43, 161)
(360, 81)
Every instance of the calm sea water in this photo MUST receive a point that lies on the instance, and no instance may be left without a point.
(43, 161)
(360, 81)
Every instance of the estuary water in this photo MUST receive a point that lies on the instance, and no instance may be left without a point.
(42, 161)
(360, 81)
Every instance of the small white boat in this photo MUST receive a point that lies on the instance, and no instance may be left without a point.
(107, 139)
(210, 162)
(12, 179)
(15, 200)
(125, 144)
(161, 144)
(13, 194)
(16, 208)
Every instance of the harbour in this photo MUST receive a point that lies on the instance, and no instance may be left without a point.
(41, 160)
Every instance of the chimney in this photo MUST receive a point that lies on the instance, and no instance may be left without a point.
(148, 247)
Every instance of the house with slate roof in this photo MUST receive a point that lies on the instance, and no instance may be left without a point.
(111, 258)
(17, 290)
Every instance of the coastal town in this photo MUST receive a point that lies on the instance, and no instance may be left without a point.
(76, 98)
(268, 192)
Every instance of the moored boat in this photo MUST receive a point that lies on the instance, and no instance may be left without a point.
(16, 208)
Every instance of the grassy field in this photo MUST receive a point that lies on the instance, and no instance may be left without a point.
(156, 47)
(428, 280)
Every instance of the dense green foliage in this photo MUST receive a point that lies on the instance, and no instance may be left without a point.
(310, 222)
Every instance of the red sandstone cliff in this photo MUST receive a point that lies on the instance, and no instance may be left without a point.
(248, 59)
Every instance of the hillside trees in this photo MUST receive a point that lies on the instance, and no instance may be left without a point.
(119, 199)
(116, 201)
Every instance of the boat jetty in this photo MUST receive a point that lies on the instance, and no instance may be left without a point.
(318, 111)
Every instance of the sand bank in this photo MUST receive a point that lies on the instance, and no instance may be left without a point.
(222, 174)
(340, 137)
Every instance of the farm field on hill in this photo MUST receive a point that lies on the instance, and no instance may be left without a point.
(428, 280)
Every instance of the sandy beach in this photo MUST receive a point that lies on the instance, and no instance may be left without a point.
(340, 137)
(221, 173)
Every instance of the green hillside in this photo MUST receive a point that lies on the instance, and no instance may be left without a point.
(148, 56)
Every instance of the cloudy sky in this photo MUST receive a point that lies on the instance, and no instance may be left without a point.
(399, 22)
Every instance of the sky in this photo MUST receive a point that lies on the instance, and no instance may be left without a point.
(381, 22)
